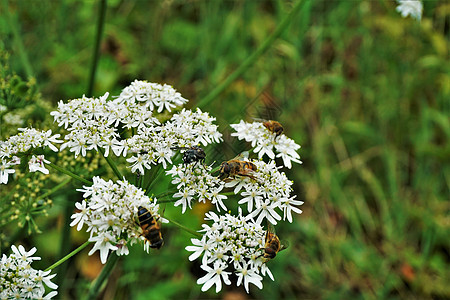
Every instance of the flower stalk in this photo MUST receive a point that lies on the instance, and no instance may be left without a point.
(68, 256)
(252, 58)
(96, 52)
(183, 227)
(112, 164)
(54, 189)
(67, 172)
(104, 274)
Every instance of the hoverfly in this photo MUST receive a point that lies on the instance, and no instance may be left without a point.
(274, 127)
(237, 167)
(272, 244)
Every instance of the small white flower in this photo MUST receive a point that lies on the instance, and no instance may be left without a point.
(288, 207)
(214, 276)
(248, 276)
(45, 278)
(103, 242)
(19, 280)
(5, 171)
(22, 254)
(122, 248)
(138, 163)
(252, 195)
(80, 217)
(37, 164)
(201, 246)
(217, 198)
(266, 210)
(410, 7)
(185, 200)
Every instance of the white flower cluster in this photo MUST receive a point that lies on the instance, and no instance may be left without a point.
(3, 108)
(26, 139)
(270, 191)
(18, 280)
(410, 7)
(265, 141)
(151, 95)
(196, 182)
(95, 123)
(230, 244)
(110, 212)
(185, 129)
(192, 128)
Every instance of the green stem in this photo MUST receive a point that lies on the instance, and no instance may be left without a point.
(67, 256)
(141, 181)
(112, 164)
(106, 271)
(65, 242)
(228, 194)
(98, 38)
(162, 195)
(167, 201)
(18, 40)
(67, 172)
(138, 179)
(54, 189)
(197, 234)
(252, 58)
(152, 179)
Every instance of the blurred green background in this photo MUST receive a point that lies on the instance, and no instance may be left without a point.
(363, 90)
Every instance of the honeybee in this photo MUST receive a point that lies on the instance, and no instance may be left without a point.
(151, 229)
(193, 154)
(272, 244)
(236, 167)
(274, 127)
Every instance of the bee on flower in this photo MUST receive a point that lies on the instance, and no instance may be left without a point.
(232, 244)
(265, 140)
(268, 195)
(113, 215)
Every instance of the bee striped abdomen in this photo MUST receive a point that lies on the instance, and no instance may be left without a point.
(151, 229)
(145, 218)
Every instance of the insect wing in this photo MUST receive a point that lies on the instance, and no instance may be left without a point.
(241, 156)
(284, 245)
(270, 232)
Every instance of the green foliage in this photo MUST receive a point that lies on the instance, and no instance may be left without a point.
(364, 91)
